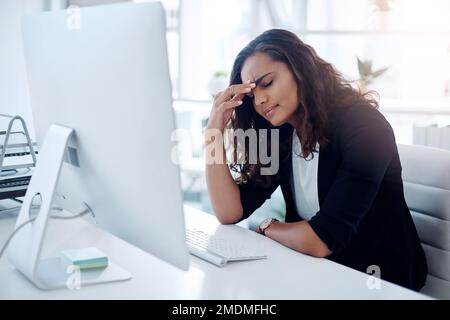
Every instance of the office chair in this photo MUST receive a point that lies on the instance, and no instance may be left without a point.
(426, 178)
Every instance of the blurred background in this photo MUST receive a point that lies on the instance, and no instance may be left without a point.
(400, 48)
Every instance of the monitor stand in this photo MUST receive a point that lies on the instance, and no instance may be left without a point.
(24, 250)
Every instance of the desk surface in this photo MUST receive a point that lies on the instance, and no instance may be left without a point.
(287, 274)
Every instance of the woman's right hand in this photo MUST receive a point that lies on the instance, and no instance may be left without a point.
(225, 102)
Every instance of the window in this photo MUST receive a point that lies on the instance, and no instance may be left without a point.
(410, 37)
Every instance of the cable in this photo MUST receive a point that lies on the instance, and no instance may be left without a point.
(13, 234)
(82, 213)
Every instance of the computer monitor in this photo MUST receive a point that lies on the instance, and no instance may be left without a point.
(108, 79)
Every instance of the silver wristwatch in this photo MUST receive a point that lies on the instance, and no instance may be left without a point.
(265, 224)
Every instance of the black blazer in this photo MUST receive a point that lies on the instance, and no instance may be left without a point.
(363, 216)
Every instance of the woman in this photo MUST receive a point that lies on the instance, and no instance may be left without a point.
(339, 171)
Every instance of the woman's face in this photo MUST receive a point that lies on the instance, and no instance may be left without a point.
(275, 95)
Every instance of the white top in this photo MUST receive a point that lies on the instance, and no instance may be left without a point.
(305, 180)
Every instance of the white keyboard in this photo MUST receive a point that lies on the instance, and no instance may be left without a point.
(218, 250)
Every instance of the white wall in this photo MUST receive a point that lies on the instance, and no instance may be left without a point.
(84, 3)
(14, 97)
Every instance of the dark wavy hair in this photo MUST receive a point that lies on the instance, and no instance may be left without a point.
(320, 88)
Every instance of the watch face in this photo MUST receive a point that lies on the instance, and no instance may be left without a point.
(265, 223)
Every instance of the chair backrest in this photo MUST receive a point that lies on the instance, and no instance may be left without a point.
(426, 179)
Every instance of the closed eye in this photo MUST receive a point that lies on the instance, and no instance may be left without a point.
(267, 84)
(264, 85)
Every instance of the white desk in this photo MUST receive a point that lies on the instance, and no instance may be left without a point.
(287, 274)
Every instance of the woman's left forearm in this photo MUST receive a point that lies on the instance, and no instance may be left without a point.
(298, 236)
